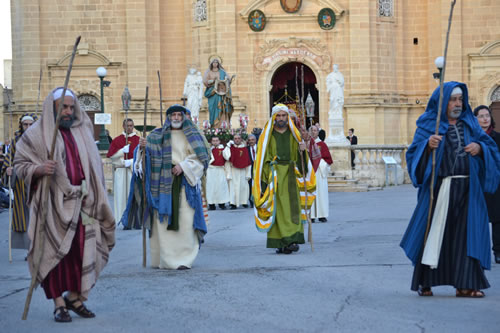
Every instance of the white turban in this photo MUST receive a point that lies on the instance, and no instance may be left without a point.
(27, 118)
(279, 107)
(57, 93)
(456, 91)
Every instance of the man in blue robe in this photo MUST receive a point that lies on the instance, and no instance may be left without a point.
(467, 164)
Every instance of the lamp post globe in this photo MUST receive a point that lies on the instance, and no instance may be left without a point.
(103, 138)
(439, 62)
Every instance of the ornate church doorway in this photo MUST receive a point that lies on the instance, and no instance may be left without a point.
(91, 105)
(284, 89)
(495, 104)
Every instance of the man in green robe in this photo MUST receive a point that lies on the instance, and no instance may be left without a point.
(278, 167)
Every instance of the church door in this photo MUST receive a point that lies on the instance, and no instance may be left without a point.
(91, 105)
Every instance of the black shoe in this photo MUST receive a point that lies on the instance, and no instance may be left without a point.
(313, 220)
(81, 310)
(61, 315)
(284, 250)
(245, 206)
(222, 206)
(211, 207)
(322, 219)
(293, 247)
(497, 258)
(233, 206)
(182, 268)
(251, 204)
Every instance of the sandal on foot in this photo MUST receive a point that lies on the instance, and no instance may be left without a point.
(284, 250)
(470, 293)
(293, 247)
(61, 315)
(80, 310)
(425, 292)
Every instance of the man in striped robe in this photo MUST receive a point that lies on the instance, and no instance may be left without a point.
(20, 211)
(79, 223)
(457, 249)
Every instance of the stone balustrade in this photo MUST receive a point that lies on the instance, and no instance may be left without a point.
(370, 167)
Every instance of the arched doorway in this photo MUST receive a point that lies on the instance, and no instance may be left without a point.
(284, 89)
(495, 104)
(91, 105)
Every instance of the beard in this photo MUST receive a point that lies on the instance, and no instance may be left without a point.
(455, 113)
(176, 124)
(281, 123)
(67, 121)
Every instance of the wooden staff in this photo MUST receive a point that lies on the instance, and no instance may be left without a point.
(39, 88)
(438, 120)
(144, 201)
(302, 119)
(10, 185)
(40, 228)
(161, 100)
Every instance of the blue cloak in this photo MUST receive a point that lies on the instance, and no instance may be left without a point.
(484, 177)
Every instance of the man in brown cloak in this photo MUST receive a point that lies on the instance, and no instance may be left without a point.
(79, 223)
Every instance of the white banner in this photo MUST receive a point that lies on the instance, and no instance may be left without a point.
(102, 119)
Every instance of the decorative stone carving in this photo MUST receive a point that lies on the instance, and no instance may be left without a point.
(292, 48)
(386, 8)
(495, 96)
(193, 91)
(200, 11)
(335, 88)
(89, 103)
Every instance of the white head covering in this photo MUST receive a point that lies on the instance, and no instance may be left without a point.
(27, 118)
(57, 93)
(279, 107)
(456, 91)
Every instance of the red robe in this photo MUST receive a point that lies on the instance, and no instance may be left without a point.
(240, 158)
(325, 154)
(119, 142)
(218, 158)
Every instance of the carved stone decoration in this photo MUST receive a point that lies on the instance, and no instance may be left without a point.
(89, 103)
(292, 48)
(291, 6)
(200, 11)
(495, 96)
(386, 8)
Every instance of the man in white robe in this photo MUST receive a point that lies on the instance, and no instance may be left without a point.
(174, 190)
(217, 188)
(321, 161)
(237, 153)
(121, 153)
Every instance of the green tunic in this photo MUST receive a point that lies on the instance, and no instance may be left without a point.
(287, 227)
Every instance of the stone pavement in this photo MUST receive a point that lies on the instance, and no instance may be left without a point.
(357, 279)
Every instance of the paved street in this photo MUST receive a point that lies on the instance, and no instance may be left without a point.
(357, 279)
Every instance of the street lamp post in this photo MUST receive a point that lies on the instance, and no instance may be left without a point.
(439, 62)
(103, 138)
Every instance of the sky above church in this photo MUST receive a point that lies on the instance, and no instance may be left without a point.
(5, 35)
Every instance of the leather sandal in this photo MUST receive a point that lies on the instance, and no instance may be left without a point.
(470, 293)
(425, 291)
(81, 310)
(61, 315)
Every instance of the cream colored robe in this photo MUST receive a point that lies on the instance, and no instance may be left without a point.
(238, 180)
(217, 187)
(320, 205)
(173, 248)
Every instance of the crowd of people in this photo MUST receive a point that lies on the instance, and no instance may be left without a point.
(161, 184)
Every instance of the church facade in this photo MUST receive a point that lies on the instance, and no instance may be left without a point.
(385, 50)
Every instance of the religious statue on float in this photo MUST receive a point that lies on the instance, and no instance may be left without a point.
(193, 92)
(218, 93)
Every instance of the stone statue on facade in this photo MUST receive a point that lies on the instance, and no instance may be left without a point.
(218, 92)
(193, 91)
(335, 88)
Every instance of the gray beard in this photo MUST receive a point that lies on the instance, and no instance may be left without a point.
(176, 124)
(455, 113)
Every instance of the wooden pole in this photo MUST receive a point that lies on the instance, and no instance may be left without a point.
(40, 228)
(10, 184)
(39, 88)
(438, 120)
(161, 100)
(144, 199)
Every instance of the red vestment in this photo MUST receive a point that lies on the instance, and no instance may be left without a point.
(325, 153)
(240, 158)
(67, 275)
(119, 142)
(218, 158)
